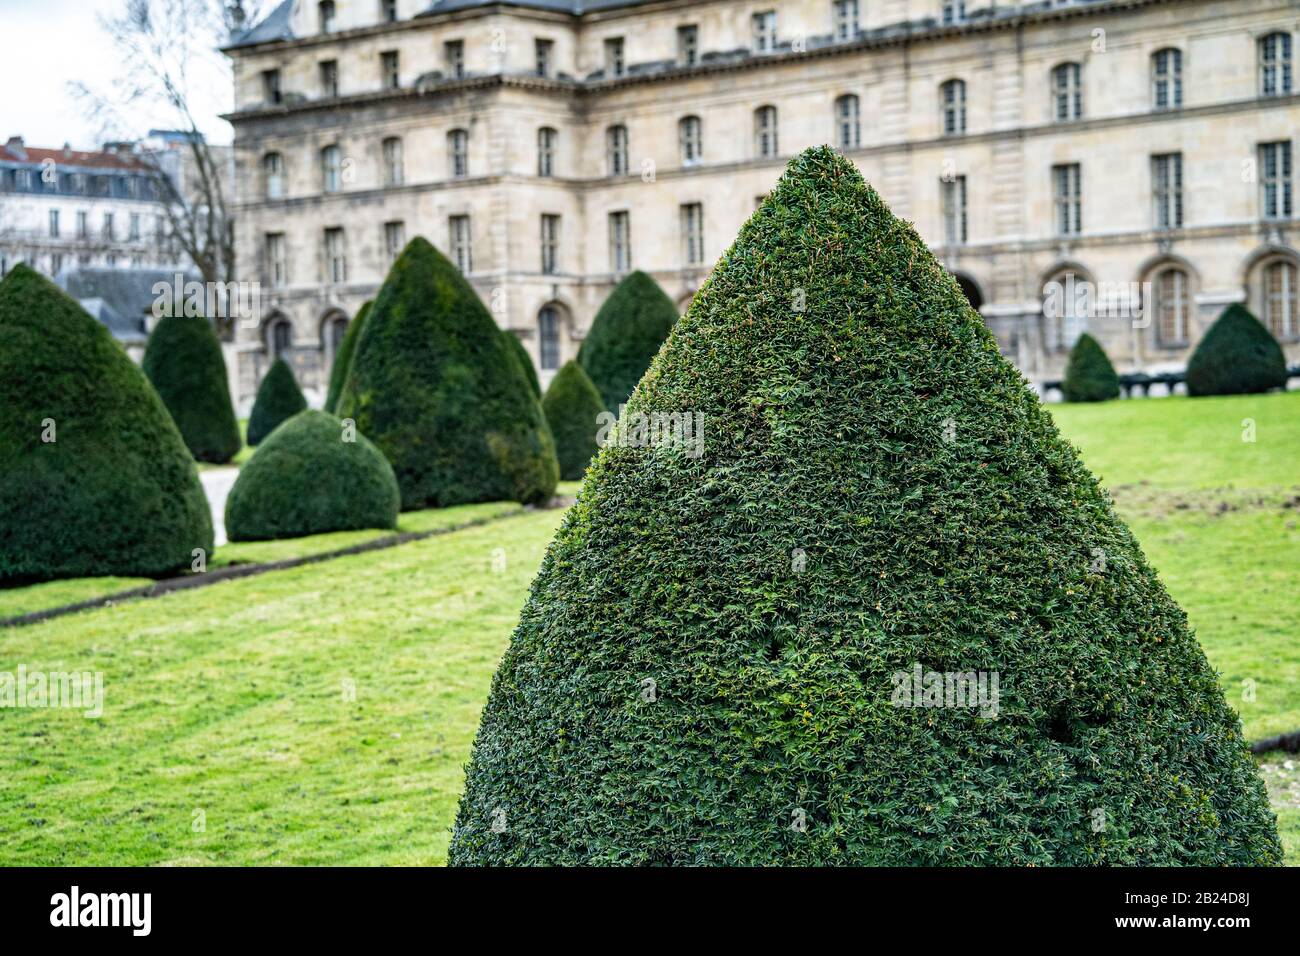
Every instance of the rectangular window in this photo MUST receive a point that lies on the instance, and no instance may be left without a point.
(846, 19)
(390, 69)
(83, 225)
(1275, 64)
(388, 10)
(394, 239)
(277, 265)
(550, 244)
(453, 54)
(1275, 180)
(271, 86)
(54, 224)
(108, 226)
(954, 11)
(1067, 198)
(688, 45)
(327, 12)
(1167, 79)
(543, 51)
(133, 227)
(392, 155)
(620, 243)
(56, 263)
(614, 56)
(692, 218)
(1167, 190)
(953, 203)
(461, 251)
(546, 151)
(764, 30)
(329, 78)
(336, 261)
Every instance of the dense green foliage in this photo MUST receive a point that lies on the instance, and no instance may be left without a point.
(278, 399)
(625, 335)
(1237, 356)
(1089, 376)
(712, 663)
(435, 385)
(343, 357)
(525, 360)
(183, 361)
(115, 492)
(312, 474)
(573, 407)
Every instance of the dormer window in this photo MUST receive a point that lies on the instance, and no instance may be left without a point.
(544, 51)
(846, 19)
(327, 12)
(764, 25)
(688, 45)
(614, 56)
(388, 10)
(271, 87)
(453, 53)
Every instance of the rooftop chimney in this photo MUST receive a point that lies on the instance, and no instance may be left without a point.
(15, 146)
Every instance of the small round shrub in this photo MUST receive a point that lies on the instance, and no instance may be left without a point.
(624, 337)
(94, 476)
(573, 408)
(312, 474)
(343, 357)
(525, 361)
(183, 360)
(1089, 376)
(278, 399)
(1237, 356)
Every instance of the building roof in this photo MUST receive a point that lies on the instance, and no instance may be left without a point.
(16, 151)
(122, 298)
(123, 331)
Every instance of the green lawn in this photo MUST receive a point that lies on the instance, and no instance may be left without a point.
(233, 699)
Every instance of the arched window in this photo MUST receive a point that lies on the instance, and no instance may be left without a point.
(952, 99)
(458, 153)
(548, 337)
(546, 151)
(279, 337)
(616, 150)
(331, 169)
(1067, 92)
(765, 134)
(1167, 78)
(273, 175)
(1172, 306)
(1275, 64)
(392, 155)
(690, 137)
(848, 130)
(1278, 293)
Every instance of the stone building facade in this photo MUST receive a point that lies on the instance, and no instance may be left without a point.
(1139, 150)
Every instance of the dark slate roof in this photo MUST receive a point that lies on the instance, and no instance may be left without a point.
(123, 331)
(274, 26)
(122, 297)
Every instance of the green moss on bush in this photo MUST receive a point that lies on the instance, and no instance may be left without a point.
(183, 361)
(1089, 376)
(437, 388)
(525, 362)
(343, 358)
(573, 407)
(1237, 356)
(312, 474)
(115, 492)
(714, 659)
(625, 335)
(278, 399)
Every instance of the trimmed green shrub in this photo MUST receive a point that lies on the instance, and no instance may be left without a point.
(1089, 376)
(312, 475)
(94, 476)
(435, 385)
(625, 335)
(278, 399)
(1237, 356)
(573, 408)
(768, 647)
(343, 357)
(183, 361)
(526, 361)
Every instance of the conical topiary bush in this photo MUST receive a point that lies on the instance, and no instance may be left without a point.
(343, 357)
(436, 387)
(183, 361)
(313, 474)
(1237, 356)
(525, 361)
(278, 399)
(768, 647)
(1089, 376)
(94, 477)
(625, 335)
(573, 409)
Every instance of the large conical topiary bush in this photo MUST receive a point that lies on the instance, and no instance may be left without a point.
(183, 361)
(881, 614)
(312, 474)
(435, 385)
(94, 477)
(343, 357)
(1089, 376)
(278, 399)
(625, 335)
(1237, 356)
(573, 410)
(525, 362)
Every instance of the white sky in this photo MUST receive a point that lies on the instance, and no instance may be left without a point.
(47, 44)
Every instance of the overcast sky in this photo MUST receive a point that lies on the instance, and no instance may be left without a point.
(47, 44)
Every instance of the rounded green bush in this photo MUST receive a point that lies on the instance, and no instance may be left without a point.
(343, 358)
(278, 399)
(1237, 356)
(573, 409)
(525, 361)
(312, 474)
(624, 337)
(94, 476)
(1089, 376)
(718, 660)
(183, 361)
(436, 387)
